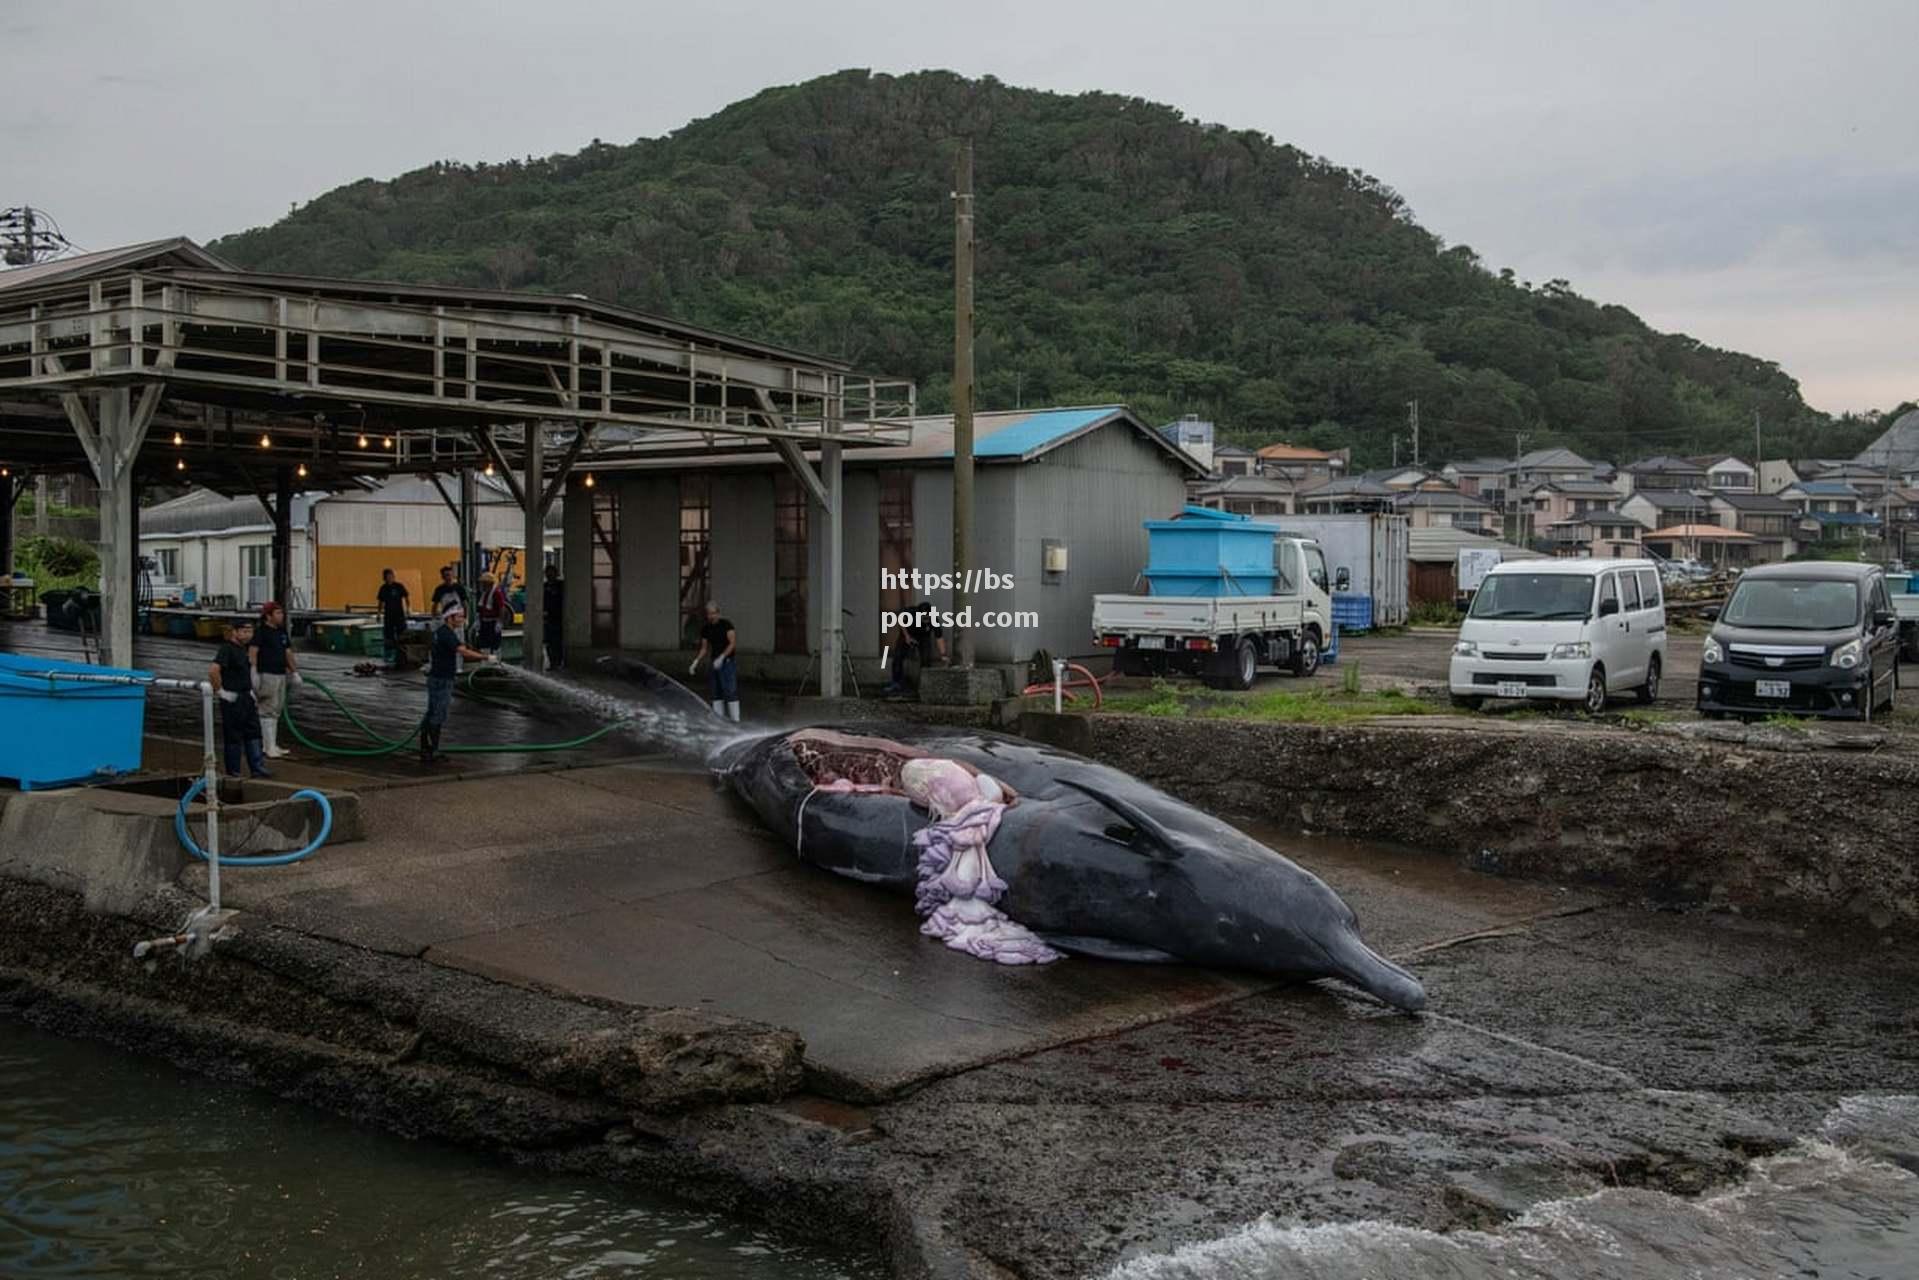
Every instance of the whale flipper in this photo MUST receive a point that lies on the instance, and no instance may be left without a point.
(1107, 949)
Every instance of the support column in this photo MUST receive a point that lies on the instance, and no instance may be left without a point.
(42, 498)
(282, 534)
(468, 573)
(10, 490)
(832, 556)
(112, 443)
(533, 492)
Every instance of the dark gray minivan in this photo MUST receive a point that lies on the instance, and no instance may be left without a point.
(1814, 638)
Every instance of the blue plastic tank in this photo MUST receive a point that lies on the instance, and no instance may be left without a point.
(1210, 553)
(61, 732)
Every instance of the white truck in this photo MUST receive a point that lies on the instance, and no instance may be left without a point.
(1225, 639)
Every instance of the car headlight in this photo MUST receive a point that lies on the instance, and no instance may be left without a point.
(1578, 649)
(1466, 649)
(1712, 652)
(1847, 655)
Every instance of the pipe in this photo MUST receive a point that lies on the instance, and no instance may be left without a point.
(260, 860)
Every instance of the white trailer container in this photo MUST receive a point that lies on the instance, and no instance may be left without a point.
(1372, 549)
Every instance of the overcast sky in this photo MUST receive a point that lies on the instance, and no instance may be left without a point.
(1744, 172)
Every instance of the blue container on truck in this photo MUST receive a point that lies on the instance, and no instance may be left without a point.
(60, 732)
(1209, 553)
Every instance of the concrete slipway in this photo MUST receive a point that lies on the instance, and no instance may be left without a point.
(490, 963)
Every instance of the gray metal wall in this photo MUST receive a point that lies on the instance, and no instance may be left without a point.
(1092, 495)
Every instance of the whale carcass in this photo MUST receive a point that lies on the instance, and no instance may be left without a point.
(1031, 850)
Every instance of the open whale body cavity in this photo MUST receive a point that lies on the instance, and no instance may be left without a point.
(1093, 860)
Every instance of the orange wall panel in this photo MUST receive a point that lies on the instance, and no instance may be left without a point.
(350, 576)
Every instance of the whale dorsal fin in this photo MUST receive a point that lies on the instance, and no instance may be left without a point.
(1158, 842)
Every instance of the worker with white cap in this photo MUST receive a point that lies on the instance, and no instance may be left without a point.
(443, 667)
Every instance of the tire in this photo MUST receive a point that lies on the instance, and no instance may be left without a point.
(1648, 692)
(1245, 665)
(1466, 702)
(1306, 655)
(1594, 702)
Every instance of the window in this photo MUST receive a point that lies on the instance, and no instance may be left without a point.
(896, 537)
(1649, 588)
(696, 555)
(603, 596)
(166, 564)
(256, 567)
(1608, 590)
(1316, 568)
(1286, 565)
(1628, 590)
(789, 565)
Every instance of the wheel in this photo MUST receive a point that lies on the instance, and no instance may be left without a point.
(1649, 691)
(1306, 655)
(1466, 702)
(1595, 691)
(1245, 665)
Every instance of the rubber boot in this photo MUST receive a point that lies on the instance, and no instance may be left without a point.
(733, 712)
(439, 756)
(426, 745)
(270, 737)
(719, 708)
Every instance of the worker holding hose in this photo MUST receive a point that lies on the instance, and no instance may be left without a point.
(231, 675)
(443, 668)
(719, 640)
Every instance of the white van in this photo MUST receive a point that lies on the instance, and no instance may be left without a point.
(1576, 630)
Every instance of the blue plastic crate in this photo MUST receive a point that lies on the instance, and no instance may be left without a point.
(60, 732)
(1353, 612)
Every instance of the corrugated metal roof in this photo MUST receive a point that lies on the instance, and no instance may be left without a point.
(175, 252)
(1898, 444)
(204, 511)
(1443, 544)
(1026, 437)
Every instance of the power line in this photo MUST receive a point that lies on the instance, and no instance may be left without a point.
(29, 235)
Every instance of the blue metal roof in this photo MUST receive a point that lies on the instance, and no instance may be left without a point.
(1029, 434)
(1845, 517)
(1827, 488)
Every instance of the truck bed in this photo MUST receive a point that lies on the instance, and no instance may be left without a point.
(1195, 615)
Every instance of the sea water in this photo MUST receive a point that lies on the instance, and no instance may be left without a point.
(113, 1166)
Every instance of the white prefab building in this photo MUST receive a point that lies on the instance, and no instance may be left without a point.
(223, 547)
(1060, 499)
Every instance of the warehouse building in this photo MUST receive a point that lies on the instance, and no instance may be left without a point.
(1060, 495)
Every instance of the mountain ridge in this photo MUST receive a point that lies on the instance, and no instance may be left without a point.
(1125, 253)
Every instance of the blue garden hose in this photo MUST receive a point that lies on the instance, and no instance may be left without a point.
(258, 860)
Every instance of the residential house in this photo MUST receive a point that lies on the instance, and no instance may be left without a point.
(1663, 508)
(1727, 474)
(1543, 466)
(1869, 481)
(1776, 474)
(1835, 505)
(1364, 492)
(1482, 478)
(1773, 522)
(1603, 534)
(1193, 434)
(1901, 515)
(1301, 465)
(1561, 500)
(1234, 460)
(1245, 495)
(1446, 507)
(1661, 471)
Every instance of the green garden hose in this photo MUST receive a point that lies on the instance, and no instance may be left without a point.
(390, 745)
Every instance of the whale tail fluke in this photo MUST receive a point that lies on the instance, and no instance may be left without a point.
(1359, 964)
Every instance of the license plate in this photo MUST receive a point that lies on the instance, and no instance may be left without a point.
(1772, 688)
(1150, 642)
(1512, 688)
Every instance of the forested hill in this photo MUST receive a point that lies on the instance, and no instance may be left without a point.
(1125, 253)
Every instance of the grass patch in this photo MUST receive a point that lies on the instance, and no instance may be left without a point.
(1281, 706)
(1435, 613)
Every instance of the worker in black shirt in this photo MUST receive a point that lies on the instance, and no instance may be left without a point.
(718, 639)
(442, 668)
(450, 587)
(553, 617)
(274, 669)
(231, 675)
(392, 600)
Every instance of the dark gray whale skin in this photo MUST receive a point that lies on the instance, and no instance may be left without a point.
(1095, 860)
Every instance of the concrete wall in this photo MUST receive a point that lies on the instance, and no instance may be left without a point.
(743, 556)
(649, 561)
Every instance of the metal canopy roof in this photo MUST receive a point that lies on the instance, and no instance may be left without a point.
(354, 379)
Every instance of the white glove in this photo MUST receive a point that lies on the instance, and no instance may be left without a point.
(493, 658)
(228, 695)
(296, 679)
(693, 667)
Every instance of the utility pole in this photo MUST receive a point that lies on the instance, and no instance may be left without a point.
(963, 397)
(1412, 416)
(1395, 452)
(1758, 451)
(1513, 497)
